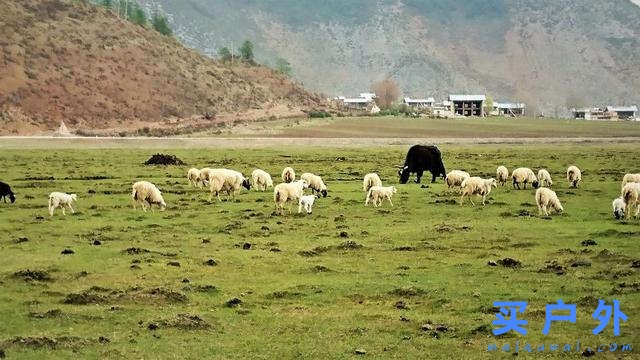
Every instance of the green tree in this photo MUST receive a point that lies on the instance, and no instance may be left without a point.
(225, 55)
(283, 67)
(488, 105)
(108, 4)
(246, 52)
(138, 16)
(161, 24)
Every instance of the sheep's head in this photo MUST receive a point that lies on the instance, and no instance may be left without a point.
(394, 190)
(619, 214)
(246, 184)
(492, 182)
(324, 193)
(403, 173)
(74, 197)
(163, 206)
(12, 198)
(535, 184)
(559, 207)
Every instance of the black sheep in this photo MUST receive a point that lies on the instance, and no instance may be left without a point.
(5, 190)
(421, 158)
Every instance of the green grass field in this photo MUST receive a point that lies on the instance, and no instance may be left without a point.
(403, 127)
(347, 277)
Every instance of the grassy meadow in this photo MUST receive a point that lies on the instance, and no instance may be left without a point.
(406, 127)
(234, 280)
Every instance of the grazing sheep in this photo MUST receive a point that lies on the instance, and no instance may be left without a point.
(5, 190)
(288, 175)
(502, 175)
(261, 180)
(61, 200)
(371, 180)
(524, 176)
(193, 175)
(574, 176)
(456, 177)
(306, 202)
(377, 194)
(145, 192)
(631, 197)
(204, 176)
(618, 208)
(547, 198)
(224, 180)
(315, 183)
(544, 178)
(630, 178)
(288, 192)
(477, 186)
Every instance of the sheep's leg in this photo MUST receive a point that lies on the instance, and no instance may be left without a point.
(471, 199)
(71, 208)
(63, 212)
(51, 209)
(390, 200)
(300, 207)
(484, 197)
(462, 199)
(419, 176)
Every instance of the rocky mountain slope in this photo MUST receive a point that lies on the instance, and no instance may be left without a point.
(548, 53)
(68, 60)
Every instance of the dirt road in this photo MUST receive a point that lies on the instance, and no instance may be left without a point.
(167, 143)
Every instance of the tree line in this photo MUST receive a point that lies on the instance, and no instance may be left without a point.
(132, 11)
(246, 55)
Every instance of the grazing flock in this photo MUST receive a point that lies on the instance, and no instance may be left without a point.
(420, 158)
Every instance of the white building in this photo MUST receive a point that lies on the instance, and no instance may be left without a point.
(419, 103)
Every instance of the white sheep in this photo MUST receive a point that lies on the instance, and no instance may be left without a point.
(146, 192)
(193, 175)
(524, 176)
(630, 178)
(204, 176)
(477, 186)
(288, 175)
(618, 208)
(61, 200)
(377, 194)
(370, 180)
(288, 192)
(502, 175)
(456, 177)
(261, 180)
(225, 180)
(631, 196)
(306, 202)
(544, 178)
(574, 176)
(547, 198)
(315, 183)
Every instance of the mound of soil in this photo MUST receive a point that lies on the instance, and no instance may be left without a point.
(164, 159)
(33, 275)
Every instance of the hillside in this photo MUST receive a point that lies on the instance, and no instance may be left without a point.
(548, 53)
(66, 60)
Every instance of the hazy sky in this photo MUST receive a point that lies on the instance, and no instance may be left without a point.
(637, 2)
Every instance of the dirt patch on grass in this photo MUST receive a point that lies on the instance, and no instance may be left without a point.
(183, 322)
(33, 275)
(164, 159)
(408, 291)
(97, 295)
(51, 343)
(451, 228)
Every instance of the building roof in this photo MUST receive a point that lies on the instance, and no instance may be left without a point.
(467, 97)
(357, 100)
(506, 105)
(427, 100)
(622, 108)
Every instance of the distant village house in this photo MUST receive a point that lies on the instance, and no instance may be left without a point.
(508, 109)
(419, 103)
(468, 105)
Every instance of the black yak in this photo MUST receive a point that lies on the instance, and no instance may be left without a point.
(5, 190)
(421, 158)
